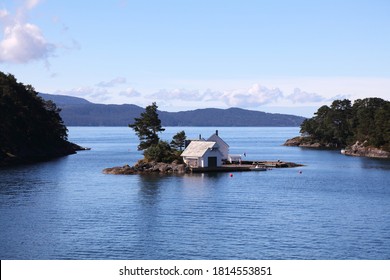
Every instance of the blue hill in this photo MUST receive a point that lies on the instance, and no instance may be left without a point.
(80, 112)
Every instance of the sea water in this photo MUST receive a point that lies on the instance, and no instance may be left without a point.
(334, 207)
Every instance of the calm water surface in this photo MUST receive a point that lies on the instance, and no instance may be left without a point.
(337, 208)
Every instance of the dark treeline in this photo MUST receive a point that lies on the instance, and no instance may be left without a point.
(343, 123)
(30, 128)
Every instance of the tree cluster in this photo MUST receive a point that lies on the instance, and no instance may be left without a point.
(29, 126)
(343, 123)
(147, 127)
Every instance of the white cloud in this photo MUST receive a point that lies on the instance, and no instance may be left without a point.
(22, 41)
(212, 95)
(256, 95)
(79, 91)
(3, 14)
(339, 97)
(90, 93)
(177, 94)
(113, 82)
(130, 92)
(31, 3)
(99, 94)
(299, 96)
(253, 97)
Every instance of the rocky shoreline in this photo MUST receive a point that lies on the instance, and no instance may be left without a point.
(28, 156)
(307, 142)
(360, 149)
(142, 167)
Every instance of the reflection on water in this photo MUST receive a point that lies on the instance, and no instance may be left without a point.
(337, 207)
(375, 163)
(150, 188)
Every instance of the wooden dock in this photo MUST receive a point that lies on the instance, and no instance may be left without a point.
(246, 166)
(223, 168)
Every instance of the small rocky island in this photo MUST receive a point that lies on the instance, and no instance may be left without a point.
(199, 155)
(361, 129)
(142, 167)
(31, 128)
(159, 156)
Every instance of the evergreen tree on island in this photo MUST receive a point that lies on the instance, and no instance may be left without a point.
(147, 127)
(178, 141)
(159, 155)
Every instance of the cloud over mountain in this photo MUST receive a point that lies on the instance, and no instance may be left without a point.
(130, 92)
(256, 95)
(117, 91)
(91, 93)
(113, 82)
(299, 96)
(177, 94)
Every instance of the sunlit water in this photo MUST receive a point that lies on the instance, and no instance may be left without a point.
(337, 207)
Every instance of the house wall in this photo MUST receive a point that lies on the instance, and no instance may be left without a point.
(203, 161)
(223, 147)
(211, 153)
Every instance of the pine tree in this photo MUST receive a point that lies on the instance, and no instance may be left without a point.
(178, 141)
(147, 127)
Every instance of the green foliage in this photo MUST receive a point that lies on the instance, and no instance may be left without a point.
(372, 121)
(28, 124)
(342, 124)
(161, 152)
(178, 141)
(147, 127)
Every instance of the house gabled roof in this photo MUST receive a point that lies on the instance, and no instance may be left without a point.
(198, 148)
(215, 137)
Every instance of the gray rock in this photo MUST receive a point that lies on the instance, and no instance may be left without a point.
(148, 167)
(362, 150)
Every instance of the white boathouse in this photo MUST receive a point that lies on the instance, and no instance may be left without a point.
(206, 153)
(202, 154)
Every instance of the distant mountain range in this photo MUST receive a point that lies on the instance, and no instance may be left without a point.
(80, 112)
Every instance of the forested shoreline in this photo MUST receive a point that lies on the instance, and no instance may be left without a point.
(365, 124)
(31, 128)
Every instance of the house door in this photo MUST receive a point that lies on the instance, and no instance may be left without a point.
(212, 161)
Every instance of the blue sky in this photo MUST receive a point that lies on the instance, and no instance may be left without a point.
(266, 55)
